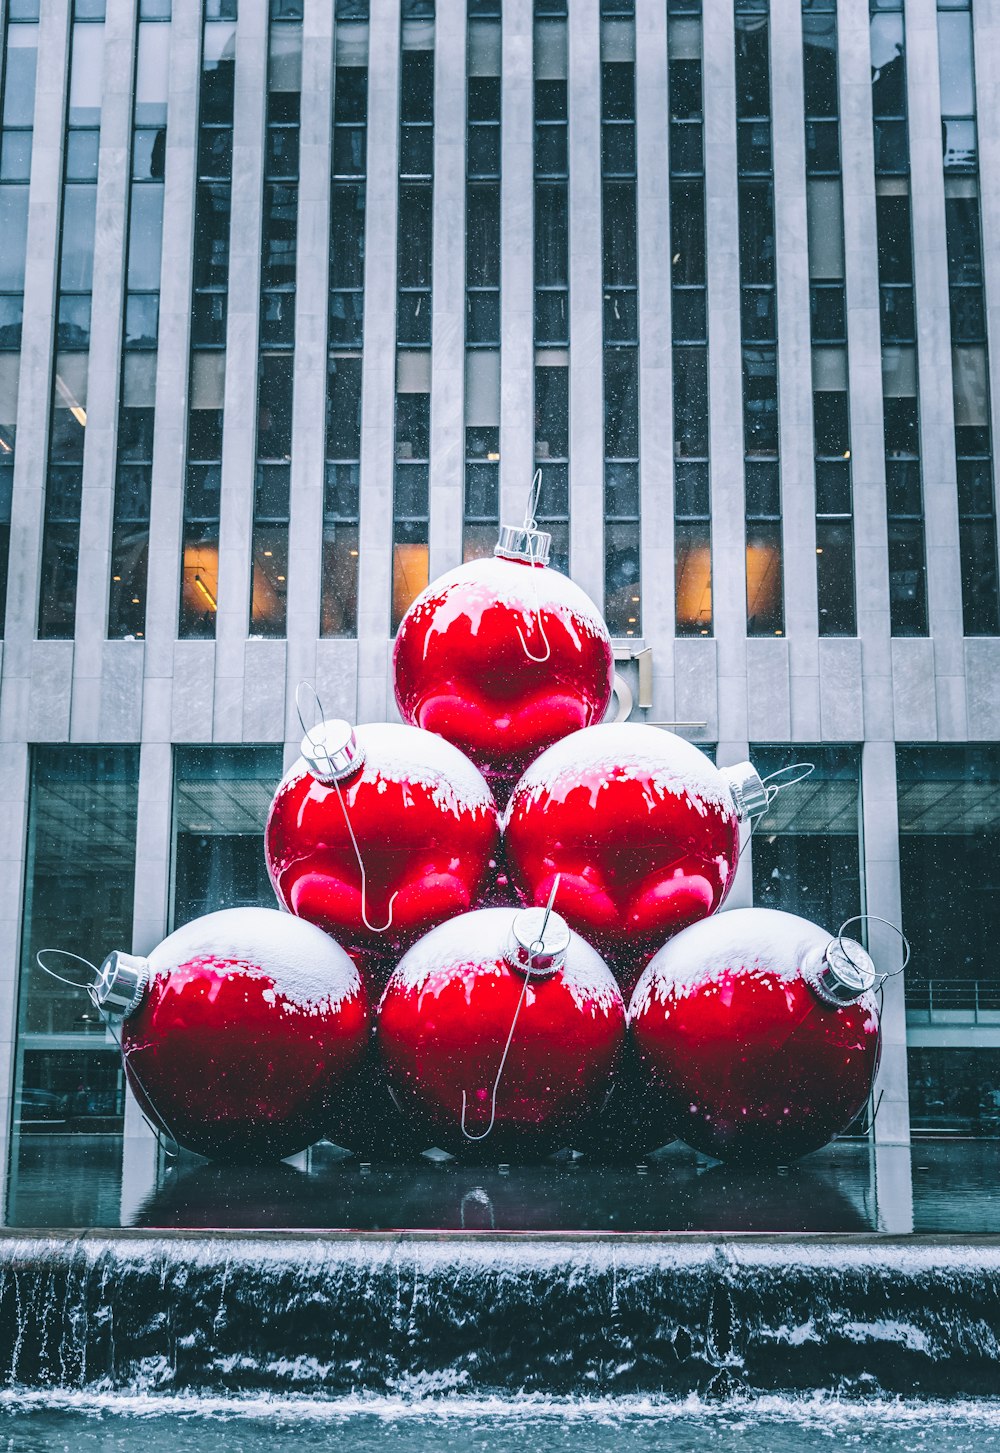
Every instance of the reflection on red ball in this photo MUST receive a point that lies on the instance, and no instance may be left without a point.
(639, 823)
(426, 827)
(250, 1024)
(462, 664)
(444, 1021)
(736, 1048)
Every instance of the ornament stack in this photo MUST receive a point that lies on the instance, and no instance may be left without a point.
(500, 1029)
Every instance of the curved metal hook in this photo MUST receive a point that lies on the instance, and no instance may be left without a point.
(307, 732)
(371, 927)
(877, 918)
(804, 769)
(539, 660)
(65, 953)
(534, 948)
(534, 494)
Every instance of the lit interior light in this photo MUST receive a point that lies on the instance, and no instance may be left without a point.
(281, 577)
(138, 635)
(632, 621)
(676, 258)
(493, 458)
(354, 554)
(847, 453)
(819, 549)
(5, 446)
(200, 585)
(117, 579)
(704, 632)
(635, 600)
(135, 600)
(268, 554)
(779, 633)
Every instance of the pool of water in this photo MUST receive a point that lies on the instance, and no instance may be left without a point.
(29, 1424)
(943, 1187)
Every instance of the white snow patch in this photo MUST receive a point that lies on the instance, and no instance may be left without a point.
(473, 944)
(524, 588)
(290, 956)
(763, 942)
(624, 751)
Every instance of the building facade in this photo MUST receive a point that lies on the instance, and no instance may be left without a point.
(294, 300)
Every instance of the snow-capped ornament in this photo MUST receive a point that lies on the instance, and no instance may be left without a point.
(757, 1034)
(379, 832)
(500, 1027)
(238, 1031)
(642, 827)
(504, 656)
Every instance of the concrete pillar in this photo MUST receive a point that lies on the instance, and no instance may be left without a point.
(882, 897)
(586, 341)
(34, 396)
(239, 430)
(104, 370)
(725, 379)
(795, 413)
(517, 282)
(656, 434)
(741, 893)
(14, 781)
(312, 260)
(378, 387)
(172, 372)
(447, 445)
(937, 414)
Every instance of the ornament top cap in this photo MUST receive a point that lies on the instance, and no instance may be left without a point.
(841, 973)
(520, 542)
(749, 793)
(121, 983)
(535, 947)
(331, 751)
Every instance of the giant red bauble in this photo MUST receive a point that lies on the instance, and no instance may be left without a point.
(445, 1018)
(426, 827)
(737, 1049)
(464, 667)
(641, 826)
(250, 1024)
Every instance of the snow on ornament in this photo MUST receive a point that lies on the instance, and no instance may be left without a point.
(379, 832)
(757, 1034)
(642, 827)
(500, 1026)
(238, 1031)
(504, 656)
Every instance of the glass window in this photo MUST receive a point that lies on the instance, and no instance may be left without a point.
(958, 97)
(949, 830)
(807, 847)
(78, 892)
(221, 801)
(19, 76)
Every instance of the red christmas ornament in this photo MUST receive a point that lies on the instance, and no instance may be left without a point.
(503, 657)
(757, 1034)
(403, 803)
(492, 1024)
(641, 826)
(239, 1031)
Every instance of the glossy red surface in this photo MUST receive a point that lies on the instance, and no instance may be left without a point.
(448, 1034)
(232, 1067)
(751, 1065)
(637, 865)
(435, 859)
(462, 671)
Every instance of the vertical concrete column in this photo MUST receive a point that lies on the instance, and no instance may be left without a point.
(447, 447)
(880, 829)
(170, 429)
(795, 413)
(239, 429)
(586, 334)
(986, 30)
(656, 434)
(937, 414)
(725, 375)
(312, 261)
(378, 381)
(150, 917)
(34, 396)
(14, 769)
(871, 541)
(517, 255)
(104, 372)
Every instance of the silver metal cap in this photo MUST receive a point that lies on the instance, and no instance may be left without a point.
(528, 951)
(121, 983)
(841, 973)
(331, 751)
(518, 543)
(749, 792)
